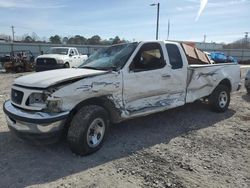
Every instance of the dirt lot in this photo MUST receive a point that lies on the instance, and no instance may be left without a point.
(185, 147)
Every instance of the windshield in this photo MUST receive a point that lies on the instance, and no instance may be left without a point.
(60, 51)
(111, 58)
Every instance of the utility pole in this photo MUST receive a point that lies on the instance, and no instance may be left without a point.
(158, 12)
(204, 38)
(158, 15)
(168, 28)
(246, 36)
(13, 33)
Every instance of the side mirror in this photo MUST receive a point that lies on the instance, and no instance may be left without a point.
(70, 55)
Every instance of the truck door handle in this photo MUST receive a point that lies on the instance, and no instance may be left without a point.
(166, 76)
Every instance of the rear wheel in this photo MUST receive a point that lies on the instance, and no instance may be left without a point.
(88, 130)
(220, 98)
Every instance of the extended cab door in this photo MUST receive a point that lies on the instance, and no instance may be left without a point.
(77, 58)
(151, 83)
(73, 58)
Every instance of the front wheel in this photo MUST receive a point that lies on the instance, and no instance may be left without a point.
(220, 98)
(88, 130)
(66, 65)
(248, 91)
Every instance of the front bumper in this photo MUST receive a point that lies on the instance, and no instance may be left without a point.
(34, 125)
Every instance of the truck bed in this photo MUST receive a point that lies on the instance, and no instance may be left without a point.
(194, 55)
(202, 78)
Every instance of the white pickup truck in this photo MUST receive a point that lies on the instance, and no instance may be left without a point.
(59, 57)
(114, 84)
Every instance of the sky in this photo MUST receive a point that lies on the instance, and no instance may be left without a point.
(221, 20)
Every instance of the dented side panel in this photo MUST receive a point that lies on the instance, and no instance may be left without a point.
(203, 79)
(109, 85)
(154, 90)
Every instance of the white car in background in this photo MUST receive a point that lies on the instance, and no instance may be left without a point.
(59, 57)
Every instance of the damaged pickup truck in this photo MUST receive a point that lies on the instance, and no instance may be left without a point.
(114, 84)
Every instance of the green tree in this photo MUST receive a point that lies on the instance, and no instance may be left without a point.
(35, 37)
(71, 40)
(65, 40)
(80, 40)
(116, 40)
(28, 39)
(55, 39)
(94, 40)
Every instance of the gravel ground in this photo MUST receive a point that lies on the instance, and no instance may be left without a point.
(185, 147)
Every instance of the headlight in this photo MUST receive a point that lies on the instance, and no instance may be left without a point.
(60, 61)
(54, 105)
(37, 100)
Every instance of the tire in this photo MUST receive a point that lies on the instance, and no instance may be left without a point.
(219, 99)
(89, 120)
(248, 91)
(66, 65)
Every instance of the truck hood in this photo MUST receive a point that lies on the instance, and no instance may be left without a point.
(53, 77)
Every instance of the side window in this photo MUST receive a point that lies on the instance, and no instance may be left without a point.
(174, 56)
(76, 53)
(72, 52)
(149, 57)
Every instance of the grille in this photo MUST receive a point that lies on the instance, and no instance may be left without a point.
(16, 96)
(46, 61)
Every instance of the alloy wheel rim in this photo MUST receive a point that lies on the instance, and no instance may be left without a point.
(95, 132)
(223, 98)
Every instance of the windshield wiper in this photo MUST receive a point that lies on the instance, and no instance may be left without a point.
(112, 68)
(88, 67)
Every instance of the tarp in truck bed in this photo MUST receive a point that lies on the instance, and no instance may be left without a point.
(194, 55)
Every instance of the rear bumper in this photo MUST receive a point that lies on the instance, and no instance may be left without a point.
(40, 68)
(34, 125)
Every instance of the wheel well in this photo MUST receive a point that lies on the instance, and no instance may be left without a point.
(226, 82)
(107, 104)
